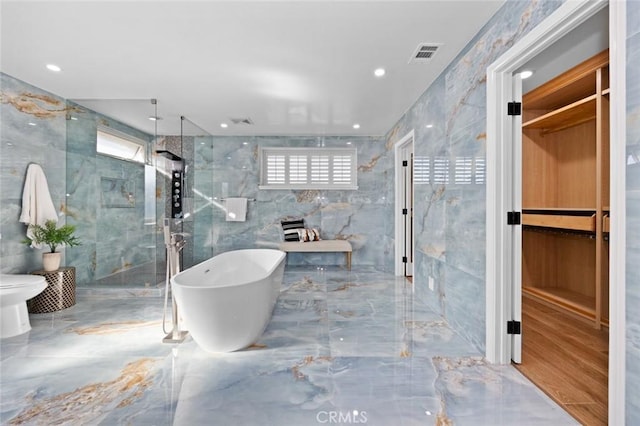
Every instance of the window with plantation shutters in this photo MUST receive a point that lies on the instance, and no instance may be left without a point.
(275, 169)
(319, 170)
(421, 170)
(463, 173)
(441, 170)
(308, 168)
(480, 170)
(466, 170)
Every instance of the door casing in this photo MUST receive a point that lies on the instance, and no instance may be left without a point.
(499, 200)
(406, 142)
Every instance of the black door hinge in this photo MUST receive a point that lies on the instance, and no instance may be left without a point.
(514, 327)
(404, 259)
(405, 163)
(514, 108)
(513, 218)
(405, 211)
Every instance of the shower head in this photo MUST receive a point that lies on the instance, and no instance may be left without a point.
(168, 154)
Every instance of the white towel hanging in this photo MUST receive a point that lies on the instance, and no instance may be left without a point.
(37, 206)
(236, 209)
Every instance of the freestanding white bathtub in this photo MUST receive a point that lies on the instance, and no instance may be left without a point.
(226, 302)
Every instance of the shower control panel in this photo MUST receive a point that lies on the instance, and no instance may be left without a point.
(176, 194)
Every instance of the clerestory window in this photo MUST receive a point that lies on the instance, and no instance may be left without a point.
(120, 145)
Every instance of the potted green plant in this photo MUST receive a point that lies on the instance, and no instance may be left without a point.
(53, 237)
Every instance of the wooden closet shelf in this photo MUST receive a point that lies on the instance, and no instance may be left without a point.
(575, 302)
(605, 224)
(574, 222)
(572, 115)
(575, 211)
(568, 86)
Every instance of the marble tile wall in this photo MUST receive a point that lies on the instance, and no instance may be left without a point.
(33, 130)
(633, 214)
(449, 121)
(228, 167)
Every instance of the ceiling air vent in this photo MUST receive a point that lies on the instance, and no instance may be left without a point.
(242, 120)
(424, 52)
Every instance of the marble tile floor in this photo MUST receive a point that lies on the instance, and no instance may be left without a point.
(342, 348)
(140, 281)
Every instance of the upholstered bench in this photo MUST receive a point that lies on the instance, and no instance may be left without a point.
(321, 246)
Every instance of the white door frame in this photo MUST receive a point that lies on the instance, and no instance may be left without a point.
(405, 141)
(499, 235)
(515, 189)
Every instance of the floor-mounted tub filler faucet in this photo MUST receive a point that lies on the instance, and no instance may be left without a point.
(174, 242)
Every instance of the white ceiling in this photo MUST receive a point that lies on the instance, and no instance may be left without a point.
(293, 67)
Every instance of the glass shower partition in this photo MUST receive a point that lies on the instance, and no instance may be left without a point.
(111, 194)
(180, 151)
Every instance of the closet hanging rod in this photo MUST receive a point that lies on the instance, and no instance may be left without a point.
(560, 231)
(248, 199)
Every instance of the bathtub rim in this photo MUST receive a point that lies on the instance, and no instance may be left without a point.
(282, 258)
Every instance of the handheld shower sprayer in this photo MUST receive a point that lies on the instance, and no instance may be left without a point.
(167, 232)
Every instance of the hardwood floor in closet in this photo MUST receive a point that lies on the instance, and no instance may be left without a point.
(568, 359)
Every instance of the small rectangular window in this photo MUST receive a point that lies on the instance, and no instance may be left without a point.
(120, 145)
(308, 168)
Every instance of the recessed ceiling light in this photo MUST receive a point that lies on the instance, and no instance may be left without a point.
(154, 118)
(54, 68)
(356, 126)
(526, 74)
(74, 118)
(428, 126)
(379, 72)
(349, 143)
(224, 125)
(245, 143)
(32, 124)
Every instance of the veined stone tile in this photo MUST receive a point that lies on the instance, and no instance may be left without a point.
(408, 369)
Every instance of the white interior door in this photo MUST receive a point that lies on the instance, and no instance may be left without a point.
(404, 185)
(516, 238)
(407, 207)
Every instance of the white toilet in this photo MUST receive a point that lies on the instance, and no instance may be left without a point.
(15, 290)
